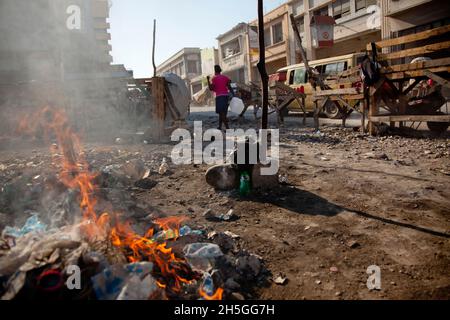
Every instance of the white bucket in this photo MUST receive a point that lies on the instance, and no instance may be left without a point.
(237, 106)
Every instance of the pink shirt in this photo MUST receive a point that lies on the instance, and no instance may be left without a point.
(220, 85)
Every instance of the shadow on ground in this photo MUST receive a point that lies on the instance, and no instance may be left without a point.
(307, 203)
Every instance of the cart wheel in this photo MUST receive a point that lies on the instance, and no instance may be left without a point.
(438, 127)
(332, 111)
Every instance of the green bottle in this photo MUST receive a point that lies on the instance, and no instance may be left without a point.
(244, 188)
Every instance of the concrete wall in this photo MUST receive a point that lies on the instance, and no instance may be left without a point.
(236, 66)
(350, 31)
(401, 14)
(277, 54)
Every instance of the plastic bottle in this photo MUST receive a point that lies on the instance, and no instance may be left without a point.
(245, 187)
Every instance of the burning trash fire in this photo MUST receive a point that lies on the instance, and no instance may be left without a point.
(46, 253)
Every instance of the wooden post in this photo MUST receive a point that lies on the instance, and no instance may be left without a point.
(372, 112)
(159, 114)
(153, 50)
(363, 118)
(262, 66)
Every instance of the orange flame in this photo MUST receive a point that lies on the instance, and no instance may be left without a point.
(218, 295)
(171, 272)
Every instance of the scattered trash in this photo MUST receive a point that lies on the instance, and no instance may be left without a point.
(186, 230)
(229, 216)
(32, 225)
(138, 289)
(208, 285)
(201, 256)
(232, 235)
(223, 240)
(281, 280)
(129, 282)
(283, 179)
(164, 167)
(334, 269)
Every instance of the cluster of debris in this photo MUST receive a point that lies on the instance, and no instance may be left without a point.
(65, 249)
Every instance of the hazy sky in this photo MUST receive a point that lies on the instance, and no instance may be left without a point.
(181, 23)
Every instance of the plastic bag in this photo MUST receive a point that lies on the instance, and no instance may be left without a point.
(201, 256)
(32, 225)
(119, 281)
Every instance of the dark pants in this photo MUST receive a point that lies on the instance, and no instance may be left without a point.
(222, 103)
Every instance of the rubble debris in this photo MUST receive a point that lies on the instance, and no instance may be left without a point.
(223, 240)
(353, 244)
(223, 177)
(163, 168)
(262, 181)
(146, 184)
(227, 217)
(283, 179)
(249, 265)
(179, 265)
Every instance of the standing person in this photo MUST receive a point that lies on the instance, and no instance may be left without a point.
(221, 85)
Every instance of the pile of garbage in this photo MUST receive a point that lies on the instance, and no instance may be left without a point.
(59, 264)
(78, 247)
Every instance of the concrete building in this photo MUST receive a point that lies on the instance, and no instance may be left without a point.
(209, 58)
(58, 52)
(186, 63)
(234, 53)
(358, 22)
(277, 40)
(404, 17)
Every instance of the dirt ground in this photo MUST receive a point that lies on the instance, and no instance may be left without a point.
(351, 201)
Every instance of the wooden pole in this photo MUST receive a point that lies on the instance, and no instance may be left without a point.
(299, 39)
(262, 66)
(153, 50)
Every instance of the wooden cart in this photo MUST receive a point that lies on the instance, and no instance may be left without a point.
(391, 99)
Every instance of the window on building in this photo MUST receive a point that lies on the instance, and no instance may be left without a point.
(231, 48)
(341, 8)
(277, 32)
(363, 4)
(321, 12)
(267, 37)
(192, 66)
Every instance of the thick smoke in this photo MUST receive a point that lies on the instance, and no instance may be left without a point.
(51, 55)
